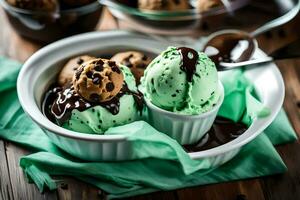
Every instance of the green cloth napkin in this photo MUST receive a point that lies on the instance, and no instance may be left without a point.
(162, 163)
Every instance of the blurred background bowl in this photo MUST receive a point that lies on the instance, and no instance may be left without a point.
(47, 27)
(169, 22)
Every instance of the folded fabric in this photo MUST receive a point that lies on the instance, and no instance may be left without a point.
(162, 163)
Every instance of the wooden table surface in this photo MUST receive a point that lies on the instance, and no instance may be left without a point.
(278, 187)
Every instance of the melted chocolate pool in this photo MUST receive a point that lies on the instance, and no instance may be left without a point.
(222, 132)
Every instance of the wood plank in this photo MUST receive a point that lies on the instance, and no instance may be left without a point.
(20, 187)
(5, 184)
(249, 189)
(71, 189)
(292, 85)
(287, 185)
(167, 195)
(12, 45)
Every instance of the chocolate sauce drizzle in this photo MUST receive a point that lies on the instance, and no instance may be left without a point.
(59, 103)
(189, 59)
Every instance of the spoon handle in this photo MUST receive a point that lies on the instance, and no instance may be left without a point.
(278, 21)
(228, 66)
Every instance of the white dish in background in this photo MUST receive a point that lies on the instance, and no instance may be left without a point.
(39, 72)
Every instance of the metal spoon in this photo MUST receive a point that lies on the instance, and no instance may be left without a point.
(234, 46)
(291, 50)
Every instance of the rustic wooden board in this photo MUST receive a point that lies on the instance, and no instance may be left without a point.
(20, 187)
(286, 186)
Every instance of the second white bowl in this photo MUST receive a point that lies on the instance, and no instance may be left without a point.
(186, 129)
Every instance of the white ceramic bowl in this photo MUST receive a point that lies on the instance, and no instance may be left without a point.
(185, 129)
(40, 70)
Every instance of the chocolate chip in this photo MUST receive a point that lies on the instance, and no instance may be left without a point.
(80, 61)
(75, 68)
(173, 95)
(111, 63)
(97, 78)
(94, 97)
(110, 86)
(116, 69)
(99, 62)
(78, 72)
(99, 68)
(89, 74)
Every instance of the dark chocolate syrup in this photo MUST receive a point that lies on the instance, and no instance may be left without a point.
(222, 132)
(189, 58)
(65, 100)
(230, 47)
(59, 103)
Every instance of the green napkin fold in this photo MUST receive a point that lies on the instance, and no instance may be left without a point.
(162, 163)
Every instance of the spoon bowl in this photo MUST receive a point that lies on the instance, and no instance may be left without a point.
(230, 46)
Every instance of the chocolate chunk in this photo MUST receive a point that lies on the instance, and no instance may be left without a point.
(78, 72)
(89, 74)
(99, 62)
(111, 63)
(99, 68)
(96, 80)
(116, 69)
(110, 86)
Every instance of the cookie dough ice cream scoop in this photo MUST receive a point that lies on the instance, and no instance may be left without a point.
(182, 80)
(65, 76)
(103, 95)
(136, 61)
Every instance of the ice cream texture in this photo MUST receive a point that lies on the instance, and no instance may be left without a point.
(77, 114)
(182, 80)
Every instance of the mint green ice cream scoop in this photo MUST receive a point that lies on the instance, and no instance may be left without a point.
(71, 111)
(181, 80)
